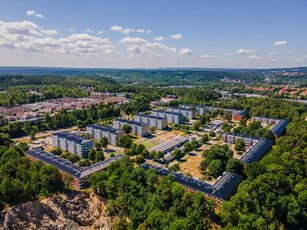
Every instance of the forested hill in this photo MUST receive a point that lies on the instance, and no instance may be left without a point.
(18, 80)
(159, 77)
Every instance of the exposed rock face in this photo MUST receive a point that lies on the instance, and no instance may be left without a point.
(72, 211)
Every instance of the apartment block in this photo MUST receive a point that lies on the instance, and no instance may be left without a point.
(80, 174)
(175, 118)
(72, 143)
(189, 113)
(279, 125)
(99, 131)
(200, 109)
(221, 190)
(258, 146)
(138, 128)
(152, 121)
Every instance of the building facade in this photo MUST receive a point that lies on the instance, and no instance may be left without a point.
(189, 113)
(151, 121)
(138, 128)
(175, 118)
(99, 131)
(200, 109)
(72, 143)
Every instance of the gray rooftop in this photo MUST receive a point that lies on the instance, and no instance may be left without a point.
(72, 137)
(68, 167)
(167, 112)
(105, 128)
(129, 121)
(150, 116)
(257, 151)
(222, 188)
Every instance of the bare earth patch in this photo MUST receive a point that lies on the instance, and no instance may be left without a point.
(169, 135)
(191, 166)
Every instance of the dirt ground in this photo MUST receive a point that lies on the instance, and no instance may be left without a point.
(169, 135)
(191, 166)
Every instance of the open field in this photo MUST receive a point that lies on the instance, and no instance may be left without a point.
(191, 166)
(169, 135)
(149, 144)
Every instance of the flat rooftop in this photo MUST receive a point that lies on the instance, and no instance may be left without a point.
(242, 136)
(72, 137)
(172, 107)
(105, 128)
(150, 116)
(67, 166)
(167, 112)
(221, 189)
(256, 151)
(129, 121)
(167, 145)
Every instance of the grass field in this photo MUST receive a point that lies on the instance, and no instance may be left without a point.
(149, 144)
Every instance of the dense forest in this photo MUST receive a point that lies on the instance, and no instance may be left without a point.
(148, 202)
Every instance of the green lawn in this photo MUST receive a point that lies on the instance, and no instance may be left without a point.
(149, 144)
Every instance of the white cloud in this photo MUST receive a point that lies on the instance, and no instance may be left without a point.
(72, 30)
(272, 53)
(139, 47)
(273, 59)
(89, 31)
(50, 32)
(290, 52)
(117, 28)
(28, 37)
(33, 13)
(159, 38)
(299, 59)
(206, 56)
(244, 51)
(140, 31)
(176, 36)
(280, 43)
(228, 54)
(185, 51)
(149, 31)
(123, 30)
(305, 56)
(254, 57)
(128, 30)
(226, 60)
(100, 32)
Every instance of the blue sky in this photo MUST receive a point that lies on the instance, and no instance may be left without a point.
(153, 34)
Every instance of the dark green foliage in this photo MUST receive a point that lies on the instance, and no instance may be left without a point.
(149, 203)
(274, 193)
(104, 142)
(99, 156)
(139, 159)
(216, 168)
(125, 141)
(56, 151)
(127, 128)
(240, 145)
(177, 153)
(205, 138)
(174, 168)
(222, 153)
(73, 158)
(235, 166)
(84, 163)
(20, 181)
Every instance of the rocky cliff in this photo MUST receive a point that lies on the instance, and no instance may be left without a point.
(72, 211)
